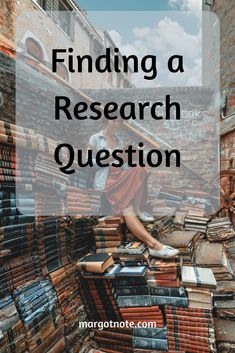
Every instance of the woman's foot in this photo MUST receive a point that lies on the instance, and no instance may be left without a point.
(164, 252)
(145, 217)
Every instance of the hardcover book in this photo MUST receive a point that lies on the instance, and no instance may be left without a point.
(96, 263)
(198, 277)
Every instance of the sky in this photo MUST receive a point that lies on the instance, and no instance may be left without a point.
(157, 27)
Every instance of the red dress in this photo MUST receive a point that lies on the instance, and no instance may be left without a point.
(126, 186)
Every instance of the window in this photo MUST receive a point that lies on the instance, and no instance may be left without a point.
(64, 17)
(34, 49)
(61, 13)
(45, 4)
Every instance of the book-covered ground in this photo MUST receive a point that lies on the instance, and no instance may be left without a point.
(57, 272)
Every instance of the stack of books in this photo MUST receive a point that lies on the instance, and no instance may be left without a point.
(19, 239)
(99, 299)
(164, 273)
(225, 335)
(45, 202)
(229, 246)
(131, 253)
(133, 297)
(48, 175)
(164, 225)
(160, 226)
(79, 232)
(169, 296)
(172, 197)
(65, 283)
(38, 308)
(190, 329)
(195, 221)
(52, 245)
(212, 255)
(225, 289)
(108, 234)
(17, 168)
(179, 220)
(225, 309)
(199, 282)
(185, 242)
(131, 287)
(132, 340)
(18, 271)
(220, 229)
(89, 201)
(12, 329)
(121, 348)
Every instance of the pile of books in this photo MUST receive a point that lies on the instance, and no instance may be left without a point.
(212, 255)
(173, 198)
(160, 226)
(12, 330)
(169, 296)
(220, 229)
(225, 335)
(48, 175)
(49, 203)
(164, 226)
(196, 221)
(190, 329)
(132, 340)
(109, 233)
(131, 253)
(19, 239)
(199, 282)
(131, 287)
(18, 271)
(17, 167)
(185, 242)
(89, 201)
(229, 247)
(38, 309)
(99, 299)
(164, 273)
(179, 219)
(65, 283)
(12, 207)
(79, 232)
(52, 245)
(225, 309)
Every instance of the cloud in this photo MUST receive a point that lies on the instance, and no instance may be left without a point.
(193, 6)
(164, 39)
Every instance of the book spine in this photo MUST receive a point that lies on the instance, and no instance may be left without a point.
(150, 343)
(173, 301)
(165, 291)
(142, 290)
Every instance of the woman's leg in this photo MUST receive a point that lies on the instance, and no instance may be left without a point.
(138, 230)
(140, 198)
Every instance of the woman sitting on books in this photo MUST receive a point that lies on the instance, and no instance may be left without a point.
(125, 189)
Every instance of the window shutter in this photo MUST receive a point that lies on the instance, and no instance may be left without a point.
(48, 6)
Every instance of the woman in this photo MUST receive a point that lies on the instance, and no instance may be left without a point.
(125, 189)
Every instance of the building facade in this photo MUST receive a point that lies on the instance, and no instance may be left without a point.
(42, 25)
